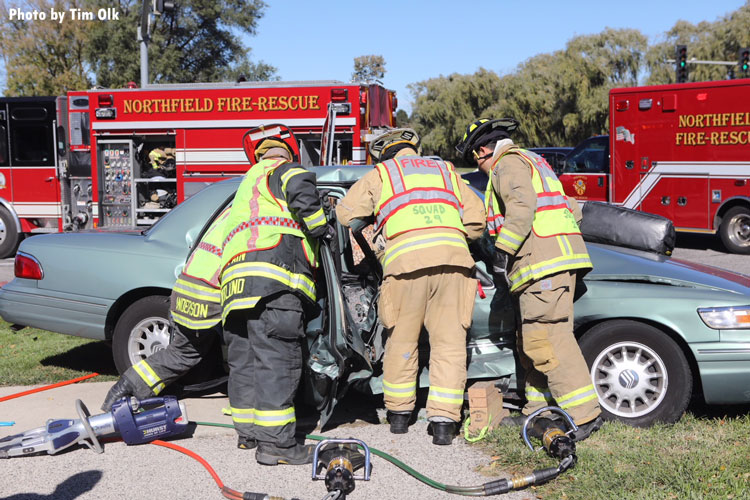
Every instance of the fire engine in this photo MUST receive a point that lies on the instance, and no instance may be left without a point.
(114, 158)
(681, 151)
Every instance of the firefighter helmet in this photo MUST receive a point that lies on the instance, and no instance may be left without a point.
(386, 145)
(481, 132)
(259, 140)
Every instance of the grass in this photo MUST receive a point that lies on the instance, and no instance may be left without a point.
(31, 357)
(700, 457)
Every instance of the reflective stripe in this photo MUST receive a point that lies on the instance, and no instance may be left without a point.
(262, 221)
(294, 281)
(418, 166)
(537, 394)
(195, 324)
(197, 291)
(494, 223)
(510, 239)
(548, 267)
(405, 390)
(243, 303)
(274, 418)
(288, 175)
(421, 242)
(445, 395)
(149, 376)
(243, 415)
(545, 201)
(423, 195)
(577, 397)
(316, 220)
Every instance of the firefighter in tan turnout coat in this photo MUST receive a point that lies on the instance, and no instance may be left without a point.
(426, 213)
(535, 230)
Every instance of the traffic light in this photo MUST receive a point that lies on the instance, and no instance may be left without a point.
(681, 63)
(161, 6)
(745, 60)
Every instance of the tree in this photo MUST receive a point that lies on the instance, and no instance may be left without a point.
(44, 57)
(196, 42)
(369, 69)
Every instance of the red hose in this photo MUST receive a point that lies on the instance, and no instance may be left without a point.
(47, 387)
(226, 491)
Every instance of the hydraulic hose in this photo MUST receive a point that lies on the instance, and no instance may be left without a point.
(48, 387)
(496, 487)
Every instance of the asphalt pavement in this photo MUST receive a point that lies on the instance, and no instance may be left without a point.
(150, 471)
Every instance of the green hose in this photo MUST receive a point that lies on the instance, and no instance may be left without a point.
(476, 491)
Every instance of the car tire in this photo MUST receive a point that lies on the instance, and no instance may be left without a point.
(640, 374)
(142, 330)
(9, 237)
(735, 230)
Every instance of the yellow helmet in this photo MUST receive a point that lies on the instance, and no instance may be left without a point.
(384, 147)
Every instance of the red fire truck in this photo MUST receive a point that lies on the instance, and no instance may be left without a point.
(124, 157)
(681, 151)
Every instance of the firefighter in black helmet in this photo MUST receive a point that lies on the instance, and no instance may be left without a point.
(539, 252)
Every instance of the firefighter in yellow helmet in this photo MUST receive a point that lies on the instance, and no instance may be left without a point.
(535, 231)
(269, 251)
(426, 213)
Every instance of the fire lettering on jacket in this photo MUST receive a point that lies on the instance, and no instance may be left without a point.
(190, 308)
(234, 287)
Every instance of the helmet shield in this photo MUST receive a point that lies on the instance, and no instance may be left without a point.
(259, 140)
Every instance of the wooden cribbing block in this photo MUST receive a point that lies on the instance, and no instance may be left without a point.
(485, 405)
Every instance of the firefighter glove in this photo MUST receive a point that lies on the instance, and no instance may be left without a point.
(499, 262)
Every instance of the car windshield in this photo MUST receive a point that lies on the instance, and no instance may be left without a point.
(589, 157)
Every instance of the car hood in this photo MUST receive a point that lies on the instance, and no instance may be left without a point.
(623, 264)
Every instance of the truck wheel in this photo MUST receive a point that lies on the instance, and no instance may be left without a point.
(9, 236)
(640, 374)
(142, 330)
(735, 230)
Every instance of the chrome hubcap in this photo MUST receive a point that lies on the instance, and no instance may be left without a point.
(739, 230)
(147, 337)
(631, 380)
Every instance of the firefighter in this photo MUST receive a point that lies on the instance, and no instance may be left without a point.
(195, 309)
(426, 213)
(269, 252)
(536, 234)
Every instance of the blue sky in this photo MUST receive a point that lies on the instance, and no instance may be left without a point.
(419, 39)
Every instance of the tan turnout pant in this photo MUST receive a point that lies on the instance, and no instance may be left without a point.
(556, 373)
(442, 300)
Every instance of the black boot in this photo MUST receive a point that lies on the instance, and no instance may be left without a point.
(399, 422)
(442, 432)
(587, 429)
(122, 389)
(246, 443)
(270, 454)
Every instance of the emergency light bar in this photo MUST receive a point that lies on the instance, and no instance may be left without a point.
(339, 95)
(105, 100)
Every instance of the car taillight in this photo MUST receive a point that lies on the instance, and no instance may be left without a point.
(27, 267)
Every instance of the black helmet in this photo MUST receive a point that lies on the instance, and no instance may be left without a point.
(483, 131)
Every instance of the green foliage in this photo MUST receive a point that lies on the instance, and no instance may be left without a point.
(369, 69)
(194, 43)
(197, 42)
(561, 98)
(44, 57)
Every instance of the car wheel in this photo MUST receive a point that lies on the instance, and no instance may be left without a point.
(8, 234)
(640, 374)
(142, 330)
(735, 230)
